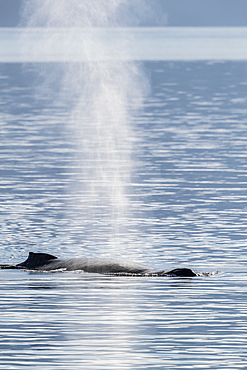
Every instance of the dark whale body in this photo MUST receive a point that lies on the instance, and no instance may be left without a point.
(47, 262)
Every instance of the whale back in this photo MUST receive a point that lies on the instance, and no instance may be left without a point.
(97, 265)
(47, 262)
(36, 260)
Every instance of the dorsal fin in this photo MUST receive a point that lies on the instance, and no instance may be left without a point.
(37, 260)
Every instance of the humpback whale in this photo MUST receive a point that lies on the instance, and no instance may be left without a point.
(105, 266)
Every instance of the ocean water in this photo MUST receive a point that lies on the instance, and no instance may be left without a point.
(187, 197)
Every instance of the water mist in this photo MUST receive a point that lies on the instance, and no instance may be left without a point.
(103, 96)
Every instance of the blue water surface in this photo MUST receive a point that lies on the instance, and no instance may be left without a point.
(188, 208)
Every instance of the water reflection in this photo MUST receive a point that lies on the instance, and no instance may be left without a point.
(104, 322)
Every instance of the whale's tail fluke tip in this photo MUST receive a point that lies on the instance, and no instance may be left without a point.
(8, 267)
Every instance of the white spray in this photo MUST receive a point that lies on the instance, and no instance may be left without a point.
(105, 95)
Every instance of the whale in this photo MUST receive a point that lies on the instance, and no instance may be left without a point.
(104, 266)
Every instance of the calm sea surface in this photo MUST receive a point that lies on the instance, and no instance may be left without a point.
(187, 195)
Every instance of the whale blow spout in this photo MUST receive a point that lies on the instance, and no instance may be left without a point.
(106, 266)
